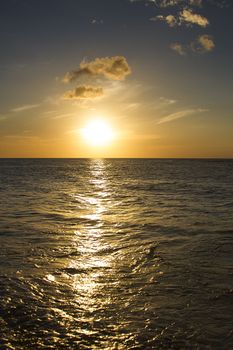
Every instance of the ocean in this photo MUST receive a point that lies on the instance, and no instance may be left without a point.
(116, 254)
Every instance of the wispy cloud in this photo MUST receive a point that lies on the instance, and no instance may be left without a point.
(167, 101)
(24, 108)
(50, 112)
(181, 114)
(169, 19)
(96, 21)
(132, 106)
(64, 115)
(179, 48)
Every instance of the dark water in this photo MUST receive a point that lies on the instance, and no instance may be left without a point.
(116, 254)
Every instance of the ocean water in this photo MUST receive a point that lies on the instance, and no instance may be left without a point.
(116, 254)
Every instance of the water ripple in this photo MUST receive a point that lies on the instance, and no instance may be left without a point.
(116, 254)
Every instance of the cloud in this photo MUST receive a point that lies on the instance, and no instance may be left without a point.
(167, 101)
(83, 92)
(193, 18)
(179, 48)
(181, 114)
(195, 2)
(113, 68)
(203, 44)
(183, 3)
(171, 3)
(185, 17)
(170, 20)
(221, 3)
(96, 21)
(64, 115)
(24, 108)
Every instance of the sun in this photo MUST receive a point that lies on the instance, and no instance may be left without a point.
(97, 133)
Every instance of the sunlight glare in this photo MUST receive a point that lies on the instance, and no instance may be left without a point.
(97, 133)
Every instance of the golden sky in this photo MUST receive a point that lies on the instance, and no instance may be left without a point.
(134, 79)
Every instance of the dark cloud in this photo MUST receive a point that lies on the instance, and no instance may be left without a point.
(84, 92)
(113, 68)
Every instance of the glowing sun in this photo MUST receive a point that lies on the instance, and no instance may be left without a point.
(97, 133)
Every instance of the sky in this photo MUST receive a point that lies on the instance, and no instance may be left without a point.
(158, 74)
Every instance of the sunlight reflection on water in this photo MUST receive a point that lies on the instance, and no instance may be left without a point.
(88, 240)
(115, 254)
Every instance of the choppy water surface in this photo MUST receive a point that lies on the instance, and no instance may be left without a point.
(116, 254)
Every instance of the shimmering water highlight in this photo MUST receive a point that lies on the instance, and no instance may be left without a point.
(116, 254)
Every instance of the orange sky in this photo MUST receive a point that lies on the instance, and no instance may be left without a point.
(160, 76)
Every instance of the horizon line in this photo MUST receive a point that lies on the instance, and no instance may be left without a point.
(188, 158)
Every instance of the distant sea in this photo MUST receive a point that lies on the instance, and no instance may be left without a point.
(116, 254)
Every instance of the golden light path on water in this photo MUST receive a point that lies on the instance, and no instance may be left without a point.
(103, 267)
(89, 283)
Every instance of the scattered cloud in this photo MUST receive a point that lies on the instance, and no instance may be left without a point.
(186, 17)
(181, 114)
(203, 44)
(24, 108)
(183, 3)
(113, 68)
(171, 3)
(96, 21)
(179, 48)
(84, 92)
(170, 20)
(184, 13)
(189, 17)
